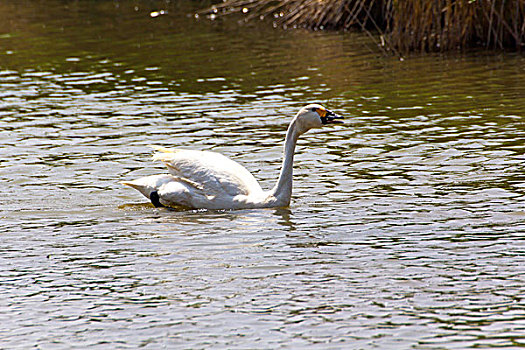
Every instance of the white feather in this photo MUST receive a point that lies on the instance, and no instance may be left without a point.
(209, 180)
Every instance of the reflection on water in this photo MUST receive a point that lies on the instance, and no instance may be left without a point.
(407, 223)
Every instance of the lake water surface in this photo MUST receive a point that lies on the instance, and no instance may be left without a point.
(407, 224)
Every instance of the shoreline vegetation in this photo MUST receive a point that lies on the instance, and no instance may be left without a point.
(398, 26)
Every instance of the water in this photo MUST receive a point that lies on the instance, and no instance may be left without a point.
(406, 228)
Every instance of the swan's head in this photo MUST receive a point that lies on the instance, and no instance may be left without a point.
(315, 116)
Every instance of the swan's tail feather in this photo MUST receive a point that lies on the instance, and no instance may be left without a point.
(139, 186)
(128, 183)
(148, 184)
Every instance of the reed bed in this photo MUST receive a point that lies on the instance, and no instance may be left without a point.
(401, 25)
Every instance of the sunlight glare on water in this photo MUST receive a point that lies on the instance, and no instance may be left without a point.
(406, 228)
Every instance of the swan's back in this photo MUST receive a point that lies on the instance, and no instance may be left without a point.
(208, 172)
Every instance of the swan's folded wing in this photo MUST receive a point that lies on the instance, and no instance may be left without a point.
(210, 172)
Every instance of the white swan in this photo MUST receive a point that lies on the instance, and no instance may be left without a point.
(209, 180)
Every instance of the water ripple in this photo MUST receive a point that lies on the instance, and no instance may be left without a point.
(406, 227)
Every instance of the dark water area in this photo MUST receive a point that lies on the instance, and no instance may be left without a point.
(407, 223)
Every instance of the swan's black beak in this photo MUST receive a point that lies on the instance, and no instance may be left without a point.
(329, 117)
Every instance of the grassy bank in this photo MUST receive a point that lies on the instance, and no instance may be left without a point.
(402, 25)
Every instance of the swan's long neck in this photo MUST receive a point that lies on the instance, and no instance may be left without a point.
(283, 190)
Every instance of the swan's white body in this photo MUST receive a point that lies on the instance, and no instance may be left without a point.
(209, 180)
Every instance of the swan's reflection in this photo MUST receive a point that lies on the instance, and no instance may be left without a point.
(262, 219)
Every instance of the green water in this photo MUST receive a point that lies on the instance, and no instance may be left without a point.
(407, 223)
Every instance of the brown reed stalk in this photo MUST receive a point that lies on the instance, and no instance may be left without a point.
(402, 25)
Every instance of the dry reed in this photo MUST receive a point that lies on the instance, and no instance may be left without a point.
(403, 25)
